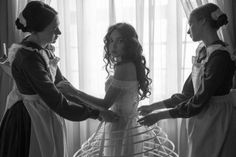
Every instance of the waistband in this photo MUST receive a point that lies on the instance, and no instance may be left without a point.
(224, 98)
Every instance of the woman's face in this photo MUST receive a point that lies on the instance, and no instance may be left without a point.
(51, 32)
(195, 28)
(116, 44)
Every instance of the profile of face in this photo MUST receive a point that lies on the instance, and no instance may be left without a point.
(51, 32)
(195, 28)
(116, 44)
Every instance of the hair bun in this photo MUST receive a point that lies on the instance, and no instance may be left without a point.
(20, 26)
(222, 20)
(35, 17)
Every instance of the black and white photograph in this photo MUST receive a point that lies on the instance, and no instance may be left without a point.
(117, 78)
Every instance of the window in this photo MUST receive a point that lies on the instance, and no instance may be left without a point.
(166, 46)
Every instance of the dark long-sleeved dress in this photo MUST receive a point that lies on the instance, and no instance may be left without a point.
(216, 81)
(209, 103)
(33, 123)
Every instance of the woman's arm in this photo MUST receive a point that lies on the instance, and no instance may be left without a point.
(175, 99)
(105, 103)
(37, 76)
(217, 67)
(187, 93)
(77, 96)
(72, 94)
(125, 72)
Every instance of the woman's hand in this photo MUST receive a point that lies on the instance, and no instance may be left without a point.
(149, 119)
(154, 118)
(108, 116)
(144, 110)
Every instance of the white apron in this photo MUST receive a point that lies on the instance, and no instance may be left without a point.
(48, 132)
(208, 130)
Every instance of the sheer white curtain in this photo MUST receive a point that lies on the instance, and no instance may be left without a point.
(161, 26)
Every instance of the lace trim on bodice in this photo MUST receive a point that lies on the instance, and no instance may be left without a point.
(211, 49)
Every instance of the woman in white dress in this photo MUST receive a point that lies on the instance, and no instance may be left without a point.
(124, 89)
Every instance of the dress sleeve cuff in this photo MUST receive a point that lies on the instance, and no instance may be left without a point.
(168, 103)
(94, 114)
(174, 113)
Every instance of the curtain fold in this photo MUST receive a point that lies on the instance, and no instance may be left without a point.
(112, 13)
(140, 19)
(229, 32)
(151, 33)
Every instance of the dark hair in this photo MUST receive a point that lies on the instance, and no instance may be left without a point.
(205, 12)
(37, 15)
(133, 52)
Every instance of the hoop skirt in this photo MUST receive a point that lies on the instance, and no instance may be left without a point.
(126, 138)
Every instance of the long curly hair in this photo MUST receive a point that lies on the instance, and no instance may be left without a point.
(133, 53)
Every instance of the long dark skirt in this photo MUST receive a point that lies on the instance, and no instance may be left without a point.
(15, 132)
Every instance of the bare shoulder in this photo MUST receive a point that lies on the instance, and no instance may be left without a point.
(126, 72)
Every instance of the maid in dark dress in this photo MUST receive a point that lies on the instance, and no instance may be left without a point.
(33, 123)
(207, 99)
